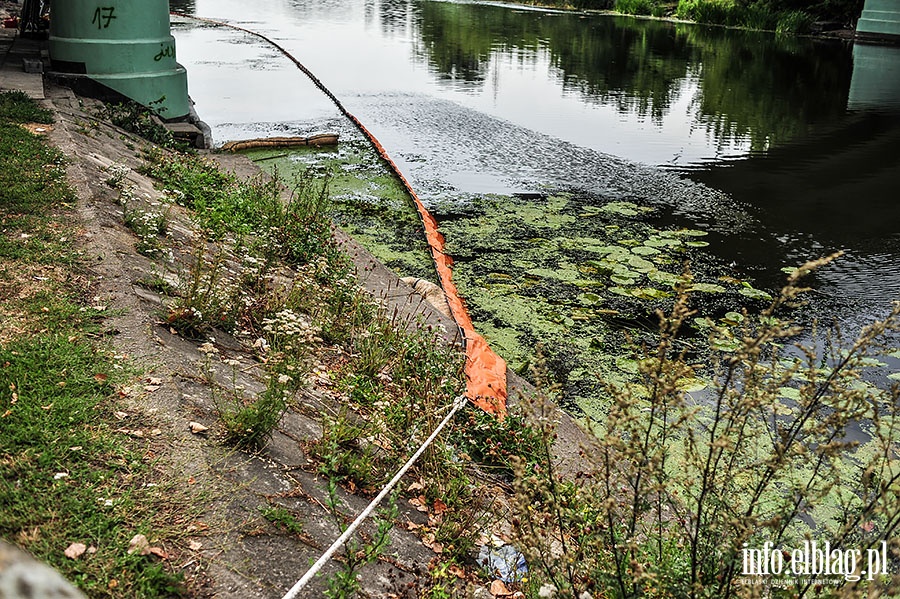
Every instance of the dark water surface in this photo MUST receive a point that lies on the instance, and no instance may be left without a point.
(783, 149)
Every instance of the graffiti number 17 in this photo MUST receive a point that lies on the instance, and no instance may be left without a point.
(103, 15)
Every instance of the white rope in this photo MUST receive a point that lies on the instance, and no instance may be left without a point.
(314, 569)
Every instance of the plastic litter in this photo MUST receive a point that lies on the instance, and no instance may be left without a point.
(505, 562)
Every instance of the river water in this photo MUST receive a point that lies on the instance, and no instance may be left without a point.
(781, 149)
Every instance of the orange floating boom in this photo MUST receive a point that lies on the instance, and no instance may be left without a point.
(485, 370)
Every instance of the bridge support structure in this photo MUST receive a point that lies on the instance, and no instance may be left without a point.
(880, 19)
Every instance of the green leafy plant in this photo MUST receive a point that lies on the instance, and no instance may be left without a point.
(639, 7)
(148, 226)
(345, 582)
(283, 518)
(296, 229)
(344, 455)
(138, 119)
(250, 424)
(684, 486)
(204, 296)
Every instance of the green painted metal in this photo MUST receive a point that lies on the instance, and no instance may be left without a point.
(876, 77)
(879, 18)
(125, 45)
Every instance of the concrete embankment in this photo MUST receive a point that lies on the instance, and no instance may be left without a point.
(234, 553)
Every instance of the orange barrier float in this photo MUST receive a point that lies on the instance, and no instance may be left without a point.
(485, 370)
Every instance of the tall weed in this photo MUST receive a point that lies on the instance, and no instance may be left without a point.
(684, 485)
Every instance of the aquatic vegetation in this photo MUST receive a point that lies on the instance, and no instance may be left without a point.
(687, 487)
(367, 201)
(580, 276)
(583, 281)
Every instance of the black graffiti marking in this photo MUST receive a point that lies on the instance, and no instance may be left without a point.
(164, 52)
(103, 16)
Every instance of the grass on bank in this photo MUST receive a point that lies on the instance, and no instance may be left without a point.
(395, 382)
(66, 475)
(782, 16)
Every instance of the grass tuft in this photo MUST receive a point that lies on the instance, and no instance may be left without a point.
(17, 107)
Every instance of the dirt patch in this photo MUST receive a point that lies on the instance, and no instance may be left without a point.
(37, 128)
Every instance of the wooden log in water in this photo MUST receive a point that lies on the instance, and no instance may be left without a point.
(322, 139)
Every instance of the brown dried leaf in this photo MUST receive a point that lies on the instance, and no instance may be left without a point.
(158, 552)
(439, 506)
(197, 428)
(419, 503)
(499, 589)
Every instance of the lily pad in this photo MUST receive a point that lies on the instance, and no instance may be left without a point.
(871, 362)
(753, 293)
(641, 265)
(644, 250)
(662, 277)
(789, 393)
(726, 344)
(660, 242)
(781, 409)
(628, 365)
(733, 318)
(696, 244)
(622, 208)
(622, 280)
(895, 376)
(691, 385)
(691, 232)
(704, 323)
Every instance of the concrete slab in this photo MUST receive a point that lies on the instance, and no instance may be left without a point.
(15, 51)
(30, 83)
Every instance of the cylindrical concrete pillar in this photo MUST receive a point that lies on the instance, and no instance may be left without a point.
(125, 45)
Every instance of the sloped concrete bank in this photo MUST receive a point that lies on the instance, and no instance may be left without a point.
(228, 549)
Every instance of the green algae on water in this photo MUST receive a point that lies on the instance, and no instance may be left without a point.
(578, 276)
